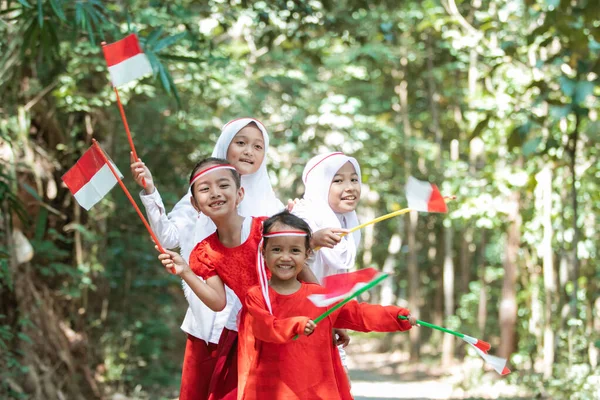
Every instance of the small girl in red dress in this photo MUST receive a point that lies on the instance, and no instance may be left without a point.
(227, 257)
(308, 368)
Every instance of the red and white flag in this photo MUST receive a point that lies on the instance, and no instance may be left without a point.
(341, 286)
(424, 196)
(126, 61)
(481, 347)
(90, 179)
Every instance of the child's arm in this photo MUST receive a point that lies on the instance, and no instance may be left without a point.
(364, 317)
(269, 328)
(211, 292)
(306, 275)
(166, 227)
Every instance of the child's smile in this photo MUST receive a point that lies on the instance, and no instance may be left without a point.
(344, 192)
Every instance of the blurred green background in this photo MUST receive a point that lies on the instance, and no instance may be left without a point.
(494, 100)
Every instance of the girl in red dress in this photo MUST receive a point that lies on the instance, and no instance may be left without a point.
(244, 142)
(308, 368)
(227, 257)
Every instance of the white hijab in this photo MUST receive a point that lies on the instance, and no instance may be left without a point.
(259, 199)
(314, 208)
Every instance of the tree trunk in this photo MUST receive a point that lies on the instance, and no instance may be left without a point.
(448, 341)
(508, 304)
(481, 266)
(387, 290)
(545, 181)
(414, 295)
(572, 149)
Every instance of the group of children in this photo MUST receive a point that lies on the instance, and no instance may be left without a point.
(248, 268)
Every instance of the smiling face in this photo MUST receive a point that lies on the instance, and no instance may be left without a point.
(344, 192)
(285, 256)
(215, 194)
(247, 150)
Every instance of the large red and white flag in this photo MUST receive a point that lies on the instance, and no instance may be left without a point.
(341, 286)
(126, 61)
(424, 196)
(90, 179)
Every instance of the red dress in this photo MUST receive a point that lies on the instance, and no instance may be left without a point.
(307, 368)
(236, 267)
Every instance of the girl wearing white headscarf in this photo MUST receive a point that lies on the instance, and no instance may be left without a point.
(329, 183)
(184, 227)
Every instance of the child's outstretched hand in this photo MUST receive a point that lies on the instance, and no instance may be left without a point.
(310, 327)
(170, 259)
(140, 173)
(327, 237)
(341, 337)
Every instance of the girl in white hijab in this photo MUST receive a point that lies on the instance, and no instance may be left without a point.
(244, 142)
(332, 191)
(332, 184)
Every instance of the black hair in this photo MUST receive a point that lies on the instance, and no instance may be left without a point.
(287, 218)
(217, 161)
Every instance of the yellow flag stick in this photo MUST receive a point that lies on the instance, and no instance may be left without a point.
(384, 217)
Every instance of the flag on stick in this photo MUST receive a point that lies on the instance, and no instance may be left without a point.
(358, 283)
(340, 286)
(90, 179)
(424, 196)
(481, 347)
(421, 196)
(89, 175)
(126, 61)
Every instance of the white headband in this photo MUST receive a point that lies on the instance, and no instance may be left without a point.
(209, 170)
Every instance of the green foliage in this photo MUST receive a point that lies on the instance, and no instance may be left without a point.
(494, 92)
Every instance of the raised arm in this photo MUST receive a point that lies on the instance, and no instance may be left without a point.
(364, 317)
(167, 227)
(211, 292)
(269, 328)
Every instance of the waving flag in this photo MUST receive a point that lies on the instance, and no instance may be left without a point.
(126, 61)
(90, 179)
(341, 286)
(481, 347)
(424, 196)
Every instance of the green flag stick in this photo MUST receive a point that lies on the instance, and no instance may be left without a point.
(360, 291)
(484, 346)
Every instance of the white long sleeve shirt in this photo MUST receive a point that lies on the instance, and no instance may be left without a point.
(180, 228)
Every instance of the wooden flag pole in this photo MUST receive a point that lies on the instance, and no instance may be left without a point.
(133, 203)
(124, 119)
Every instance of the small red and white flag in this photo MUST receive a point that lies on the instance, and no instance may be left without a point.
(90, 179)
(481, 347)
(126, 61)
(424, 196)
(341, 286)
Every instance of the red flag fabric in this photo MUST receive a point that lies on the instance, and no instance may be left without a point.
(90, 179)
(126, 61)
(341, 286)
(424, 196)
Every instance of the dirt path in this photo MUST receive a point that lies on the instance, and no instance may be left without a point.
(389, 376)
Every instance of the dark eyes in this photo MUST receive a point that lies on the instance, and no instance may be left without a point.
(224, 186)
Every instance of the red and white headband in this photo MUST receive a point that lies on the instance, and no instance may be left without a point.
(209, 170)
(337, 153)
(261, 269)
